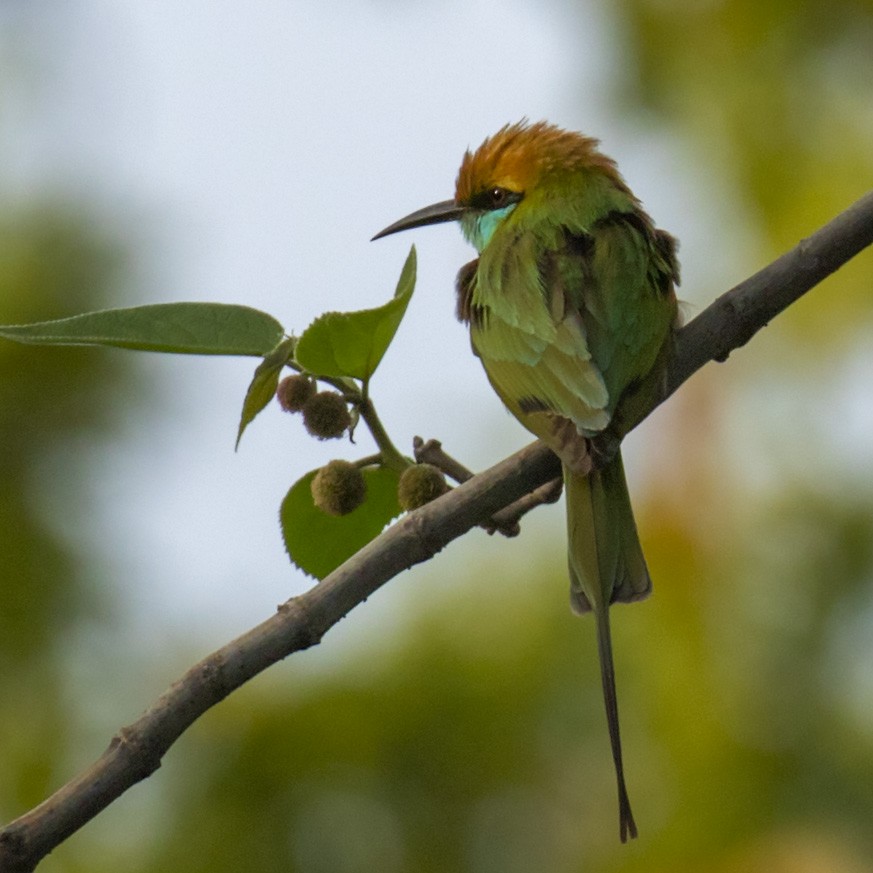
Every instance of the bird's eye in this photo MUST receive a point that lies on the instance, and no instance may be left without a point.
(498, 197)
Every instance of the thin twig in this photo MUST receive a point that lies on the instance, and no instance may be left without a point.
(512, 514)
(431, 452)
(507, 520)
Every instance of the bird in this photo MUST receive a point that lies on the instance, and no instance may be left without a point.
(571, 308)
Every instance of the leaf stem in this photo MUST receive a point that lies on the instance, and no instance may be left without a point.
(391, 457)
(369, 461)
(389, 454)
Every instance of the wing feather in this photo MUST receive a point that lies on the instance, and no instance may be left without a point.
(564, 326)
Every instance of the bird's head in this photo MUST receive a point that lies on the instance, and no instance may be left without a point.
(519, 167)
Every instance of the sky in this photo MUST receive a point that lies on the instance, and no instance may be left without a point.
(247, 153)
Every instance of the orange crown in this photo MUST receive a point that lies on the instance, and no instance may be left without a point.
(519, 155)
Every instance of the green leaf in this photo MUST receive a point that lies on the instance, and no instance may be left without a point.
(186, 328)
(352, 344)
(263, 386)
(317, 542)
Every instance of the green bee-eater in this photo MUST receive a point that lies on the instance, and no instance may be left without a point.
(571, 306)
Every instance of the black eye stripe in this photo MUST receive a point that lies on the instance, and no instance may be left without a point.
(494, 198)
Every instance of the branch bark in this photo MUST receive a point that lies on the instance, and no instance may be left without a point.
(136, 751)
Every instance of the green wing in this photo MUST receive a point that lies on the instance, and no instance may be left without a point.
(629, 303)
(568, 322)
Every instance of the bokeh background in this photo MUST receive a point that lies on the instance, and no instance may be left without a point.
(246, 153)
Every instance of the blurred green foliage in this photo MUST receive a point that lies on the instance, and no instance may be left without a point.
(777, 97)
(51, 261)
(476, 741)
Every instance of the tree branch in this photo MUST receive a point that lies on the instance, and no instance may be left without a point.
(507, 520)
(136, 751)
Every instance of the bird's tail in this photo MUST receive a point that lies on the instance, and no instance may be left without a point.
(606, 565)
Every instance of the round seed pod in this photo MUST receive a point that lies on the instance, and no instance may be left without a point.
(420, 484)
(293, 392)
(326, 415)
(338, 488)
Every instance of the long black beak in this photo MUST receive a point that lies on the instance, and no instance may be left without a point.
(448, 210)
